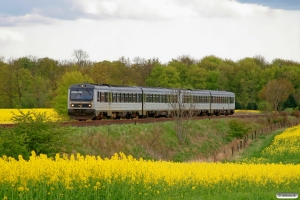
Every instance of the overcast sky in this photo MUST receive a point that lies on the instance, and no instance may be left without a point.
(163, 29)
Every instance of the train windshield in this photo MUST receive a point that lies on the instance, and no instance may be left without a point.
(81, 94)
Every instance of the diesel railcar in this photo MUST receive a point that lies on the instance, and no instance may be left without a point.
(92, 101)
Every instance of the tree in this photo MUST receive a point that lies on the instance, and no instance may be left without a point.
(197, 77)
(290, 102)
(60, 101)
(81, 57)
(154, 79)
(276, 92)
(7, 92)
(182, 109)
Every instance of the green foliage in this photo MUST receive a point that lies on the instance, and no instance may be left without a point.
(12, 143)
(290, 102)
(60, 101)
(30, 82)
(33, 132)
(238, 128)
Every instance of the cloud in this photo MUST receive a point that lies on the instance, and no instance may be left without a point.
(166, 9)
(25, 20)
(8, 35)
(42, 12)
(165, 29)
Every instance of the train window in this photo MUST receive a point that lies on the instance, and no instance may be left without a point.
(114, 97)
(105, 97)
(122, 97)
(134, 98)
(126, 97)
(139, 98)
(130, 98)
(118, 97)
(102, 97)
(173, 99)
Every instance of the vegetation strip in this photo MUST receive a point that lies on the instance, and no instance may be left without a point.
(81, 177)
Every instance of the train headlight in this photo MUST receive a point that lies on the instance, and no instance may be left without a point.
(90, 105)
(72, 105)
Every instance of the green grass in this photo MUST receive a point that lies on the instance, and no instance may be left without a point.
(156, 141)
(256, 147)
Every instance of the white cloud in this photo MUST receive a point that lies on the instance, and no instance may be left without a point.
(160, 28)
(25, 20)
(167, 9)
(9, 35)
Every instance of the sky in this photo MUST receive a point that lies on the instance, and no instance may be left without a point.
(163, 29)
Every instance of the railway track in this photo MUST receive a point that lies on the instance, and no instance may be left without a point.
(140, 121)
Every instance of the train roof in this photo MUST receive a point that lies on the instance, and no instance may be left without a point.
(82, 85)
(138, 89)
(155, 90)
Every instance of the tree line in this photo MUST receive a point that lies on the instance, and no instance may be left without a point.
(30, 82)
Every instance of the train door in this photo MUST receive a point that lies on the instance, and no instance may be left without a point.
(109, 112)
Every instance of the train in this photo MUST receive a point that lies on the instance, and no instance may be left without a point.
(88, 101)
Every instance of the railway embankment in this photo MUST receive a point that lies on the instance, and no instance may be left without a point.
(210, 139)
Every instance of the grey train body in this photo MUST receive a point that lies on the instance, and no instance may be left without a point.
(91, 101)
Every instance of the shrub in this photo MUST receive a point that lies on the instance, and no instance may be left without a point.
(238, 128)
(33, 132)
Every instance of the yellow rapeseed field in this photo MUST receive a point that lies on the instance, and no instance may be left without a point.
(285, 144)
(124, 177)
(248, 111)
(7, 114)
(93, 172)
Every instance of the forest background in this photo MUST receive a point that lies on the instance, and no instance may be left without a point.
(30, 82)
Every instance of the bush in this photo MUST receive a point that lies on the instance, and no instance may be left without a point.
(238, 128)
(12, 144)
(33, 132)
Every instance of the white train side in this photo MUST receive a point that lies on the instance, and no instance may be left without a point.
(89, 101)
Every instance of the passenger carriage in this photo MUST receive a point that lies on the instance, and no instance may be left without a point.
(88, 101)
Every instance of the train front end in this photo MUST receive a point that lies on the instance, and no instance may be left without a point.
(81, 101)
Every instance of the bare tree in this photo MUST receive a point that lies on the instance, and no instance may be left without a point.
(182, 109)
(2, 59)
(81, 57)
(276, 92)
